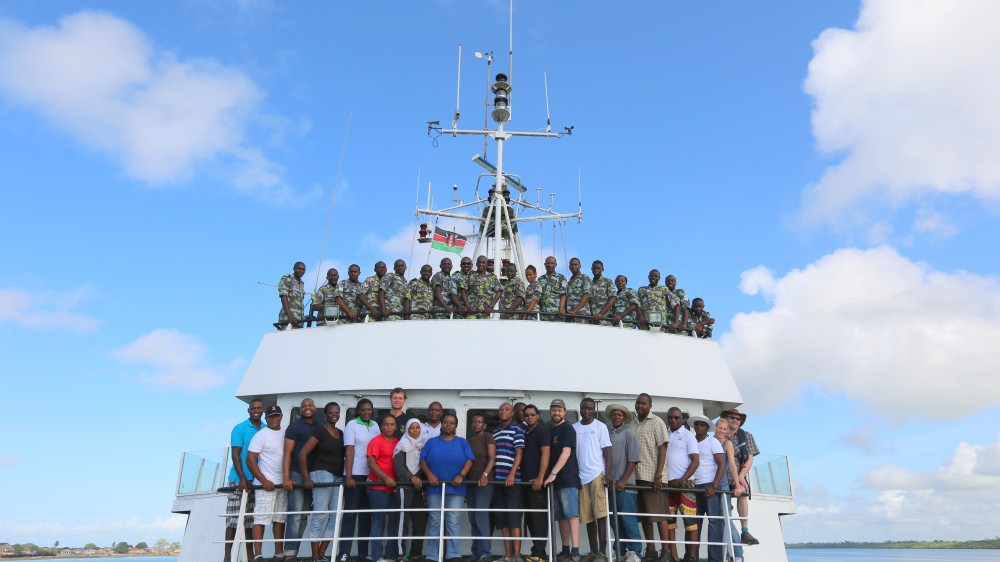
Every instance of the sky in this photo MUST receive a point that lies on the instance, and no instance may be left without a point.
(823, 174)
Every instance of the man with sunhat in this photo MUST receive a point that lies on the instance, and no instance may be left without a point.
(266, 461)
(624, 458)
(746, 449)
(708, 477)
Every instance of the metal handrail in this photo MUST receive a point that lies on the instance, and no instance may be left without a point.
(610, 497)
(520, 314)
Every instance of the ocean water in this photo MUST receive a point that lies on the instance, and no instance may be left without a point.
(886, 555)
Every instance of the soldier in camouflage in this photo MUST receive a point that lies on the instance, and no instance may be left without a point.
(371, 286)
(532, 293)
(291, 291)
(577, 292)
(421, 295)
(445, 297)
(353, 292)
(329, 295)
(484, 290)
(553, 287)
(602, 295)
(700, 321)
(654, 300)
(393, 292)
(461, 285)
(626, 304)
(513, 291)
(678, 317)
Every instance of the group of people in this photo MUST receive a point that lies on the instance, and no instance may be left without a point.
(477, 292)
(502, 476)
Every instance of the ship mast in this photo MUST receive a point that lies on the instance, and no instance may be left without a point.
(500, 214)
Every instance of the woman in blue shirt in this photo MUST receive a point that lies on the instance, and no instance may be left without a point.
(446, 458)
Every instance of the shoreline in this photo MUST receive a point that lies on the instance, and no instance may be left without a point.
(85, 557)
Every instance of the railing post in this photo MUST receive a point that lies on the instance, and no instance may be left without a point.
(728, 530)
(610, 538)
(442, 525)
(336, 523)
(548, 518)
(240, 525)
(180, 473)
(197, 480)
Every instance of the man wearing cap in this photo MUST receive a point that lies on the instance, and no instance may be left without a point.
(651, 433)
(265, 460)
(564, 472)
(299, 499)
(239, 475)
(593, 455)
(682, 462)
(624, 458)
(711, 467)
(746, 449)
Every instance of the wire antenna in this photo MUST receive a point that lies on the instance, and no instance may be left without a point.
(333, 195)
(458, 89)
(510, 65)
(548, 116)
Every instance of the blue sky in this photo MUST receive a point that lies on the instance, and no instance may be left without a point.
(823, 174)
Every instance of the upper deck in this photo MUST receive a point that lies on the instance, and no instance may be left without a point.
(491, 354)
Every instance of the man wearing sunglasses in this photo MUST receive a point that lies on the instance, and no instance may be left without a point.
(746, 450)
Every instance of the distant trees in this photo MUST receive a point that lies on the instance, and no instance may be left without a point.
(90, 546)
(161, 543)
(141, 544)
(122, 548)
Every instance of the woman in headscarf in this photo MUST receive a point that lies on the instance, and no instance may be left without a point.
(406, 459)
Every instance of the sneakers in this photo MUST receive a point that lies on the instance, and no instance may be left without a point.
(650, 556)
(665, 556)
(575, 558)
(278, 557)
(343, 558)
(323, 559)
(631, 556)
(563, 557)
(747, 538)
(598, 557)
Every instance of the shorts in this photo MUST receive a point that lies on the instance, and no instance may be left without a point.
(684, 504)
(593, 500)
(233, 507)
(269, 503)
(653, 503)
(567, 503)
(508, 497)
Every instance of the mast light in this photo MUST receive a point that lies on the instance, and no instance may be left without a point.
(501, 89)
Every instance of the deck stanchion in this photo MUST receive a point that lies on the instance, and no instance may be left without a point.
(441, 526)
(240, 526)
(548, 518)
(616, 544)
(336, 524)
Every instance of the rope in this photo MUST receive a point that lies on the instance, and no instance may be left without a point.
(333, 195)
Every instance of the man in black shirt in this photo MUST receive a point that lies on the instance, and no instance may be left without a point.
(299, 499)
(564, 472)
(534, 465)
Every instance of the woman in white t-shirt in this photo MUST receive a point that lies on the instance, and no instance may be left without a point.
(357, 433)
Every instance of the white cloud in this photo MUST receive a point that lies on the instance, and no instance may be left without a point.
(172, 359)
(896, 335)
(46, 309)
(100, 79)
(909, 97)
(893, 502)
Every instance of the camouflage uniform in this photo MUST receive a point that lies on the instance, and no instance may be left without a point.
(576, 287)
(396, 291)
(481, 289)
(295, 290)
(532, 291)
(447, 283)
(325, 296)
(350, 291)
(460, 281)
(370, 288)
(601, 292)
(656, 299)
(421, 297)
(512, 288)
(552, 287)
(697, 319)
(626, 297)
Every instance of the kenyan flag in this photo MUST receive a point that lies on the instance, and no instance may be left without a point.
(448, 241)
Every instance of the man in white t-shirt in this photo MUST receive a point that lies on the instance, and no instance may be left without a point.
(682, 462)
(266, 462)
(593, 455)
(711, 467)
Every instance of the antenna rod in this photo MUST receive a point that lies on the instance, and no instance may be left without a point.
(428, 191)
(510, 65)
(333, 194)
(458, 89)
(548, 117)
(579, 192)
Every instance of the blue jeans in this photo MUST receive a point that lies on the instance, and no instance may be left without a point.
(324, 499)
(452, 525)
(628, 525)
(479, 521)
(355, 498)
(712, 507)
(298, 500)
(388, 505)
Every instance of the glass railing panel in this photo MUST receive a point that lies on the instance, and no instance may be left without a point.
(771, 475)
(202, 471)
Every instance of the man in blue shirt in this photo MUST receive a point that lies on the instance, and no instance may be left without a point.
(239, 442)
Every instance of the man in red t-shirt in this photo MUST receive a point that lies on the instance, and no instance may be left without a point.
(383, 498)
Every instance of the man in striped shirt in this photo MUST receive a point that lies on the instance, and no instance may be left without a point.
(509, 438)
